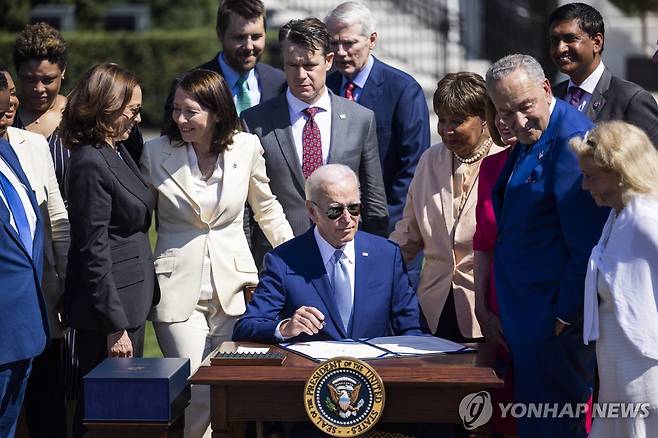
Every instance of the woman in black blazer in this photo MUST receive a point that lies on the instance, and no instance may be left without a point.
(110, 284)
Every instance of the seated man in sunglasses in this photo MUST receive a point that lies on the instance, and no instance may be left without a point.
(332, 282)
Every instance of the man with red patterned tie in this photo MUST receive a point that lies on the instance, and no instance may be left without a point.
(403, 128)
(309, 126)
(577, 34)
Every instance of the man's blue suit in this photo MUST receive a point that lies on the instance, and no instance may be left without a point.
(547, 226)
(403, 128)
(294, 276)
(23, 324)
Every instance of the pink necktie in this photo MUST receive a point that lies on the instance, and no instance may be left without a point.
(349, 91)
(311, 143)
(576, 95)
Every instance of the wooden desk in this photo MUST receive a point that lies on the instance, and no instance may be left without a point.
(426, 389)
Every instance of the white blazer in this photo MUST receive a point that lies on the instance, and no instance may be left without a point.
(34, 156)
(184, 237)
(629, 264)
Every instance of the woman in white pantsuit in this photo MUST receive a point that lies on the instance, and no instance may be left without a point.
(204, 171)
(619, 166)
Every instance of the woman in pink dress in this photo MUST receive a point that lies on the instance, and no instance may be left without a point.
(486, 305)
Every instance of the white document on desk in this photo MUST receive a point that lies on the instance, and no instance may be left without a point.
(325, 350)
(376, 348)
(416, 345)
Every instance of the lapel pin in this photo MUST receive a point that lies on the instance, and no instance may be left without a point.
(341, 116)
(540, 155)
(596, 105)
(235, 165)
(364, 254)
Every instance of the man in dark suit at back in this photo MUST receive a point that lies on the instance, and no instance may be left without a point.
(403, 127)
(309, 126)
(23, 324)
(577, 34)
(241, 30)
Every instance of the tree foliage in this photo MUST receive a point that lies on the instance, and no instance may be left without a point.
(165, 14)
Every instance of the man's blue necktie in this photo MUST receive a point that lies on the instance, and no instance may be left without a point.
(18, 211)
(342, 288)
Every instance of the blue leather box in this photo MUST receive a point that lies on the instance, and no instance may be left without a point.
(136, 389)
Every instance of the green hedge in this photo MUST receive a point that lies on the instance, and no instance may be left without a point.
(156, 57)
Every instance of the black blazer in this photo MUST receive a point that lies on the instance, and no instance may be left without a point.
(617, 99)
(110, 281)
(271, 81)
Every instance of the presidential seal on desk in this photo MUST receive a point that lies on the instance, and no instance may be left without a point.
(344, 397)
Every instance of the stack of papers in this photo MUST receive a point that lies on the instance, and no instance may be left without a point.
(376, 348)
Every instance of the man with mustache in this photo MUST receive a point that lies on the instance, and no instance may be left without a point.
(577, 34)
(547, 226)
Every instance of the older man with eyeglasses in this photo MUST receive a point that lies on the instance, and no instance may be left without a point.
(332, 282)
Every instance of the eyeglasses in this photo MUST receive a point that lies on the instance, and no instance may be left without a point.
(336, 211)
(134, 112)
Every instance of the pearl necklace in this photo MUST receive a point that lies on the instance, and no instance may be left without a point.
(481, 152)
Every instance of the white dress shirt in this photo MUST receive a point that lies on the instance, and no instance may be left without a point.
(322, 119)
(22, 193)
(231, 77)
(207, 196)
(588, 86)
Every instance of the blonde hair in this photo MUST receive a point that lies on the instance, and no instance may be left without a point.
(625, 149)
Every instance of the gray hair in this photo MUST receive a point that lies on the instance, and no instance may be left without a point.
(506, 65)
(328, 174)
(350, 13)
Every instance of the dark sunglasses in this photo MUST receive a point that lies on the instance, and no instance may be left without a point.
(336, 211)
(134, 112)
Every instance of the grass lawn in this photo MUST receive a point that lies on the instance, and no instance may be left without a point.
(151, 348)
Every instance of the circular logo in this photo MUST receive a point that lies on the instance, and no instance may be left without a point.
(344, 397)
(475, 409)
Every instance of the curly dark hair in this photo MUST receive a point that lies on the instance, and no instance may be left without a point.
(210, 91)
(40, 41)
(96, 104)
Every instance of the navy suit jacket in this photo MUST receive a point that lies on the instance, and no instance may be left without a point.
(547, 226)
(23, 323)
(271, 82)
(294, 276)
(403, 128)
(617, 99)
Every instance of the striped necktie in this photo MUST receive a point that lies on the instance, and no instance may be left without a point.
(18, 211)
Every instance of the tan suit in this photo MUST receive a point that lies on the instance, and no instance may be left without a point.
(183, 235)
(34, 156)
(429, 223)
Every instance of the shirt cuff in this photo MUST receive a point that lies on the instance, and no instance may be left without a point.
(563, 321)
(277, 332)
